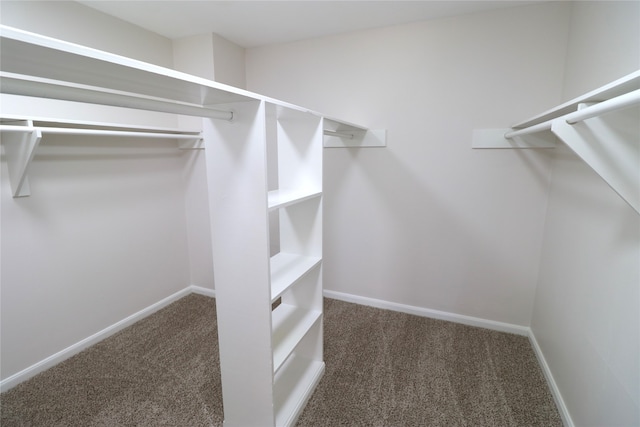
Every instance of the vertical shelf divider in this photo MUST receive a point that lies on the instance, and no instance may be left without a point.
(236, 178)
(270, 358)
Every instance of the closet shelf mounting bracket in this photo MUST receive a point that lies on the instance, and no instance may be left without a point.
(19, 148)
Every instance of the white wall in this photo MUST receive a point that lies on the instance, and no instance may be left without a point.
(212, 57)
(586, 317)
(104, 233)
(427, 221)
(228, 62)
(195, 55)
(73, 22)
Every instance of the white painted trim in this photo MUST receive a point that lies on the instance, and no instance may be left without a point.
(555, 391)
(427, 312)
(202, 291)
(76, 348)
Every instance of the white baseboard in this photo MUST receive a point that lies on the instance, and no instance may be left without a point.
(427, 312)
(76, 348)
(202, 291)
(555, 391)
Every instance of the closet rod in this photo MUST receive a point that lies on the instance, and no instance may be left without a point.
(531, 129)
(104, 132)
(45, 88)
(338, 134)
(618, 103)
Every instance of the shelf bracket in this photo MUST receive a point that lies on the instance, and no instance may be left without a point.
(355, 138)
(508, 138)
(195, 143)
(19, 148)
(611, 153)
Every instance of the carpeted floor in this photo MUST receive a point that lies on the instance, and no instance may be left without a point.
(383, 369)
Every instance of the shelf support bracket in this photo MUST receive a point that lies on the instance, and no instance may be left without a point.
(196, 143)
(508, 138)
(19, 148)
(615, 157)
(355, 138)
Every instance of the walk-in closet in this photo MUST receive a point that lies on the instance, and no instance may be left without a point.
(320, 213)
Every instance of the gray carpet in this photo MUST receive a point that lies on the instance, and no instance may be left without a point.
(383, 369)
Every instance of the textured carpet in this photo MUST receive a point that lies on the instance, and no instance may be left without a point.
(383, 369)
(392, 369)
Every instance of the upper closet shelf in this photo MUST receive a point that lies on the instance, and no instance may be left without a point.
(602, 127)
(340, 134)
(624, 85)
(617, 95)
(35, 65)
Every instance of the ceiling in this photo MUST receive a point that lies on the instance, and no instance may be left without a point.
(257, 23)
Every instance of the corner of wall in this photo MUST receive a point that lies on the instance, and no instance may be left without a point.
(194, 55)
(585, 316)
(77, 23)
(229, 62)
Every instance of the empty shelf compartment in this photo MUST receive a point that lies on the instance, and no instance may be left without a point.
(286, 269)
(289, 325)
(285, 197)
(294, 385)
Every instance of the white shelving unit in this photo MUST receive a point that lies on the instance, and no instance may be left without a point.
(295, 170)
(264, 177)
(267, 162)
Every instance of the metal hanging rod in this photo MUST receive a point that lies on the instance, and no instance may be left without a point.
(338, 134)
(531, 129)
(45, 88)
(618, 103)
(99, 132)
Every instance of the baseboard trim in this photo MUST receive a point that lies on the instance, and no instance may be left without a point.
(555, 391)
(202, 291)
(76, 348)
(427, 312)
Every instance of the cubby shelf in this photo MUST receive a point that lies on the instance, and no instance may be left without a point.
(289, 325)
(298, 377)
(286, 269)
(285, 197)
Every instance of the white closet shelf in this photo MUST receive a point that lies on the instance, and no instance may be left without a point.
(285, 197)
(339, 134)
(289, 325)
(619, 94)
(287, 269)
(39, 66)
(601, 127)
(33, 55)
(294, 384)
(611, 90)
